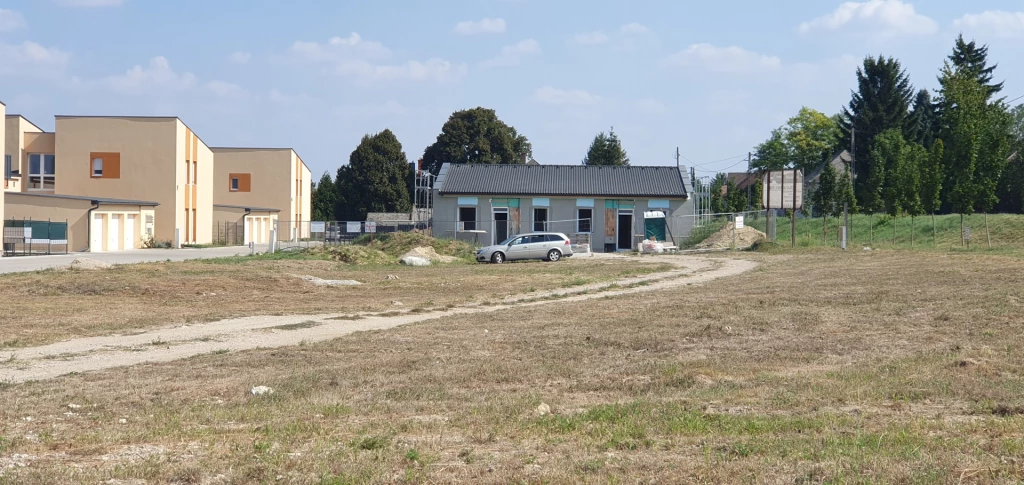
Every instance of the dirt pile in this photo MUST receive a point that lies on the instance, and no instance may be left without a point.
(400, 243)
(358, 255)
(746, 237)
(428, 253)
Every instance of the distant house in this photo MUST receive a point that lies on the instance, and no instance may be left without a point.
(611, 208)
(840, 163)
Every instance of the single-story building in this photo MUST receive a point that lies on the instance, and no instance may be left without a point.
(240, 225)
(608, 208)
(92, 224)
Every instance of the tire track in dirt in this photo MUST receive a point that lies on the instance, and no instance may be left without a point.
(169, 344)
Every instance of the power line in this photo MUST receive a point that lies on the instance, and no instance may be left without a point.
(717, 161)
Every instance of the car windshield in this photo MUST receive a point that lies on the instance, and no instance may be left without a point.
(508, 241)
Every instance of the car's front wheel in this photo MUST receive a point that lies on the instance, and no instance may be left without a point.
(554, 255)
(497, 258)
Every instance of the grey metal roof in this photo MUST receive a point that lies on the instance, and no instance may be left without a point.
(243, 207)
(99, 200)
(562, 180)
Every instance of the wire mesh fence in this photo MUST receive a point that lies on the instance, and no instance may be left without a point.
(228, 233)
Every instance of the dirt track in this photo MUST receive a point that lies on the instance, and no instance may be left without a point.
(162, 345)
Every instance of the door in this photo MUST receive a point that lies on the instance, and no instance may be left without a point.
(129, 232)
(96, 236)
(625, 229)
(113, 232)
(519, 249)
(500, 229)
(538, 246)
(247, 229)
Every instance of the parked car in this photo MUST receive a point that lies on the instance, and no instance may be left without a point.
(547, 246)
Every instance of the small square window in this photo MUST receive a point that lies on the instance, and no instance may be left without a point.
(234, 184)
(97, 167)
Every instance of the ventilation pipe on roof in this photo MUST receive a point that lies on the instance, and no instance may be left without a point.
(88, 224)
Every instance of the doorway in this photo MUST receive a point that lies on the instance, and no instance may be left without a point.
(625, 231)
(500, 230)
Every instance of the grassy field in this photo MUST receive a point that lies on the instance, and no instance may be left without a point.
(48, 306)
(1006, 231)
(819, 367)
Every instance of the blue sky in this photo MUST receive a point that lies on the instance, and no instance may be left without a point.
(712, 78)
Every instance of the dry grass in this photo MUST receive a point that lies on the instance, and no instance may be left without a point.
(816, 368)
(48, 306)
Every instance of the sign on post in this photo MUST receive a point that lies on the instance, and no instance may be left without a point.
(354, 227)
(739, 222)
(371, 227)
(317, 227)
(783, 189)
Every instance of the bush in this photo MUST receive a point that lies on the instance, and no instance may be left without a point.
(358, 255)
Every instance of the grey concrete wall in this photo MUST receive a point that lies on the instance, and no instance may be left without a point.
(562, 214)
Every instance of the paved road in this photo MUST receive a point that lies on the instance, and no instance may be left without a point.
(35, 263)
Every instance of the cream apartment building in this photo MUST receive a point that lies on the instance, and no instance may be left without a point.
(266, 179)
(28, 156)
(154, 159)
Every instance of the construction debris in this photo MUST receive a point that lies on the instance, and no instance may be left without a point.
(86, 264)
(322, 282)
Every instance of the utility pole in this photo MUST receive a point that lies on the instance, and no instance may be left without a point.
(677, 157)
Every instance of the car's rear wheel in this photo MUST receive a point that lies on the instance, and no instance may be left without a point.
(497, 258)
(554, 255)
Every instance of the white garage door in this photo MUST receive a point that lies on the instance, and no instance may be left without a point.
(129, 232)
(96, 238)
(113, 232)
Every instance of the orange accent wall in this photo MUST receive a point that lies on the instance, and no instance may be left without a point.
(111, 164)
(244, 182)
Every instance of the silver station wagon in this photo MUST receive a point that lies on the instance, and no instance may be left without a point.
(547, 246)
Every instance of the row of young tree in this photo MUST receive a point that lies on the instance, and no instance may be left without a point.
(379, 178)
(958, 152)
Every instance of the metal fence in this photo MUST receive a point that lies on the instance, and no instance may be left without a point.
(26, 237)
(228, 233)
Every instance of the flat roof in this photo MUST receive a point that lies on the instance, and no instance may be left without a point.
(138, 118)
(267, 149)
(562, 180)
(99, 200)
(254, 209)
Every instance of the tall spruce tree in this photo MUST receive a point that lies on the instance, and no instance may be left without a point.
(375, 179)
(606, 150)
(973, 59)
(1011, 185)
(880, 103)
(923, 122)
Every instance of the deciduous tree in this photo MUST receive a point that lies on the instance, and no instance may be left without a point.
(375, 179)
(477, 136)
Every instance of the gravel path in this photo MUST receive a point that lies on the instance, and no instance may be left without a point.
(168, 344)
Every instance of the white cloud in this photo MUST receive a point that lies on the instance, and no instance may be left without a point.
(226, 90)
(91, 3)
(279, 97)
(431, 70)
(562, 97)
(512, 54)
(591, 38)
(338, 49)
(482, 26)
(355, 58)
(634, 29)
(710, 58)
(998, 22)
(11, 20)
(240, 57)
(30, 59)
(650, 106)
(889, 17)
(158, 77)
(372, 110)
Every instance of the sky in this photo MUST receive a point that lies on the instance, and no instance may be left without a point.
(711, 78)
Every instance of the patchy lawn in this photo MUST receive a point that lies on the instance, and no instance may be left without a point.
(818, 367)
(48, 306)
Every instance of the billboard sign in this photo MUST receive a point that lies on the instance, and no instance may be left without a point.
(782, 189)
